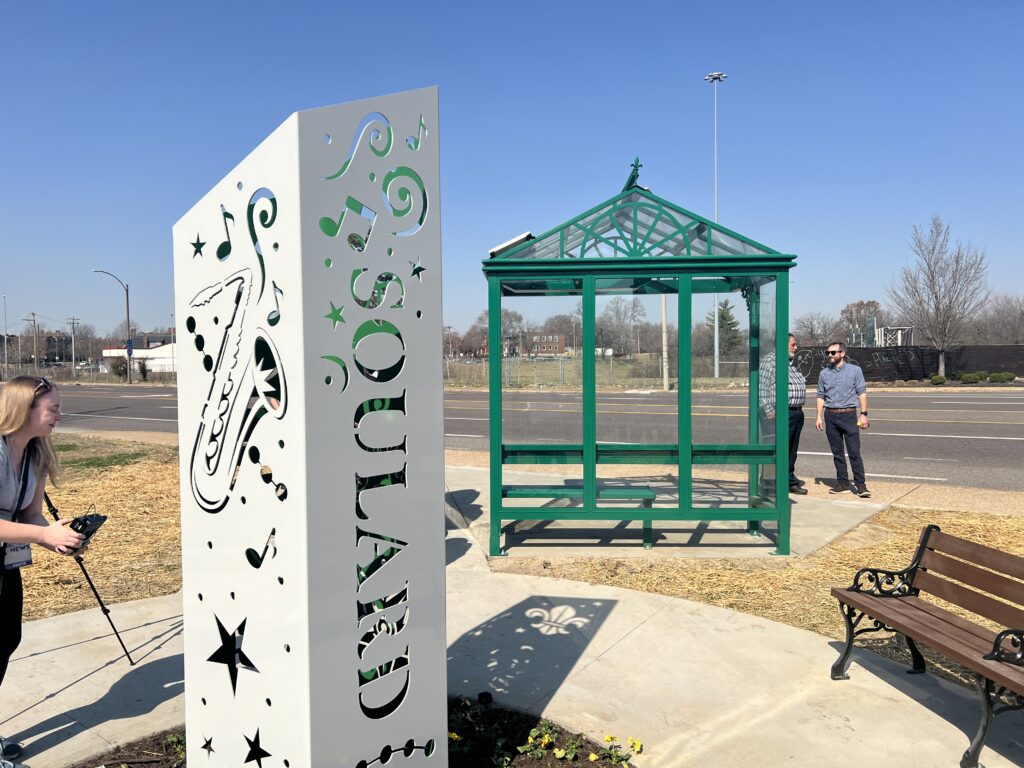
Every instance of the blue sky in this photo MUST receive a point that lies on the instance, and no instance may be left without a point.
(840, 127)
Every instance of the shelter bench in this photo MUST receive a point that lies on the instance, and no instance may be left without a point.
(979, 579)
(642, 493)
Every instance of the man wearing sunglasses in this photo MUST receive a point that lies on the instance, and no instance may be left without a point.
(842, 408)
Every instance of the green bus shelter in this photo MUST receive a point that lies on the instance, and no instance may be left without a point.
(637, 244)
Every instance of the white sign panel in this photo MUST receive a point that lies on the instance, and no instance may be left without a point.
(308, 282)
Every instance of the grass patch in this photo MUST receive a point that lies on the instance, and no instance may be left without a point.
(101, 462)
(61, 447)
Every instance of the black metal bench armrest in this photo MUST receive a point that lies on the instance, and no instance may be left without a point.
(1012, 655)
(881, 583)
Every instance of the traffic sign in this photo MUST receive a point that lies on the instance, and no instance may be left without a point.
(128, 346)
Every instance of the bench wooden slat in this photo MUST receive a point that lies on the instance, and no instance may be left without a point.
(987, 636)
(1008, 616)
(1004, 562)
(905, 615)
(985, 581)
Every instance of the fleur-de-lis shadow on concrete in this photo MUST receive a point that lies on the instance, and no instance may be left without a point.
(557, 621)
(524, 653)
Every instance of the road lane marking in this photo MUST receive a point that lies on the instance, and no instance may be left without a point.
(906, 477)
(920, 458)
(450, 434)
(977, 402)
(126, 418)
(464, 418)
(943, 437)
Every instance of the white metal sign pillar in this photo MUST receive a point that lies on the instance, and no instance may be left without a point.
(312, 458)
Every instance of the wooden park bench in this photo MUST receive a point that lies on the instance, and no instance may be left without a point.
(981, 580)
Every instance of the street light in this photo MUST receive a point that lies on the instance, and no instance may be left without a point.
(127, 320)
(715, 78)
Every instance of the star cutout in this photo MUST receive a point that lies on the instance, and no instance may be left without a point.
(230, 653)
(335, 315)
(417, 269)
(208, 746)
(197, 246)
(256, 752)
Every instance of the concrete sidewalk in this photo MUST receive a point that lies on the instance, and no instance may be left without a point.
(699, 685)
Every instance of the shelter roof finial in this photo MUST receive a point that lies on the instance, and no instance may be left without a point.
(634, 174)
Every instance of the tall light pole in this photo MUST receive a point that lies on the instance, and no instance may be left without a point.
(715, 78)
(127, 321)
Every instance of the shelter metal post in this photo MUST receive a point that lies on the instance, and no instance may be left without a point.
(589, 396)
(685, 395)
(782, 414)
(494, 366)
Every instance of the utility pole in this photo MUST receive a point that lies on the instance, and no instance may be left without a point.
(73, 322)
(35, 340)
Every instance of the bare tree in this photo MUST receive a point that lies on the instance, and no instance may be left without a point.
(817, 329)
(1001, 322)
(943, 290)
(858, 319)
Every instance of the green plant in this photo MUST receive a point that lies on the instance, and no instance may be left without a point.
(1002, 377)
(937, 379)
(982, 375)
(969, 378)
(615, 753)
(540, 740)
(570, 750)
(176, 741)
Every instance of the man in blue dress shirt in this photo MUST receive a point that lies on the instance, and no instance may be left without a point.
(842, 413)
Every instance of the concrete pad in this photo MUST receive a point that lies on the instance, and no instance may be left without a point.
(70, 692)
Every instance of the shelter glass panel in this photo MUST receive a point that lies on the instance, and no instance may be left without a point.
(721, 405)
(542, 387)
(765, 382)
(636, 421)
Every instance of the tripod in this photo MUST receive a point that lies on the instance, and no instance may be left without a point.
(78, 559)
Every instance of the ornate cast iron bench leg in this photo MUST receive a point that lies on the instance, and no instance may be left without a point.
(917, 660)
(987, 693)
(852, 617)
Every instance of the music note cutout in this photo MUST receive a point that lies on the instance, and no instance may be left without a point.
(224, 249)
(275, 314)
(413, 142)
(256, 558)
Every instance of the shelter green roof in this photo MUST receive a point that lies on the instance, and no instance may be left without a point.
(635, 224)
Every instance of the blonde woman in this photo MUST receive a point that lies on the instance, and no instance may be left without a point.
(29, 410)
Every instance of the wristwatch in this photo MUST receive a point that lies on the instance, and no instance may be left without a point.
(863, 413)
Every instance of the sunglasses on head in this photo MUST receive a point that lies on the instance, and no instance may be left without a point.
(44, 385)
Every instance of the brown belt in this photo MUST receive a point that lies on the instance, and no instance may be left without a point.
(842, 410)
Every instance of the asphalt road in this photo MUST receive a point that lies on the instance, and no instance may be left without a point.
(971, 439)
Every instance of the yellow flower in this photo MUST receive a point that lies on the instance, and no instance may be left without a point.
(546, 740)
(529, 740)
(593, 757)
(453, 736)
(609, 739)
(637, 746)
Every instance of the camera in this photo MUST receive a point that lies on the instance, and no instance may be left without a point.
(87, 525)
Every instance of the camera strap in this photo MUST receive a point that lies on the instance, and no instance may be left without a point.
(26, 467)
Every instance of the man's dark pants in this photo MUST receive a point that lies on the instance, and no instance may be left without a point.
(842, 428)
(796, 425)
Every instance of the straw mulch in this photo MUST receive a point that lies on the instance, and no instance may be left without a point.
(137, 552)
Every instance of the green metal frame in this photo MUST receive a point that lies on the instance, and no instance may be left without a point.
(639, 243)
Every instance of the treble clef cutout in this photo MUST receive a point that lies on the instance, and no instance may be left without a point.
(224, 249)
(256, 558)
